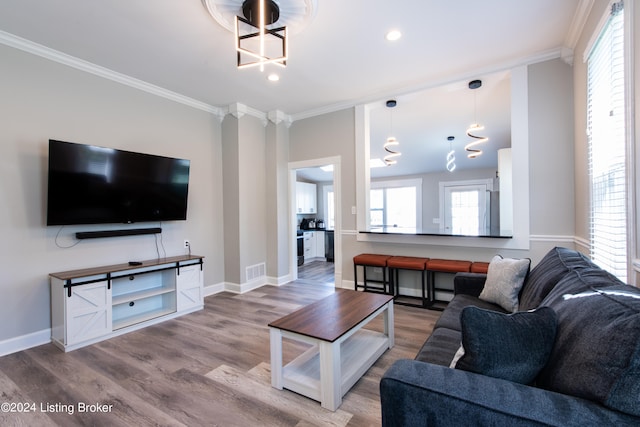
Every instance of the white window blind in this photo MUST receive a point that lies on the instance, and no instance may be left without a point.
(607, 146)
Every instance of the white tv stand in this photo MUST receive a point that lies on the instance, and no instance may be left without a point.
(95, 304)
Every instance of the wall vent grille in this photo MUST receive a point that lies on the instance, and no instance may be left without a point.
(256, 271)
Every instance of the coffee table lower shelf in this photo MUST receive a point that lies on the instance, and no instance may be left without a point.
(334, 363)
(357, 354)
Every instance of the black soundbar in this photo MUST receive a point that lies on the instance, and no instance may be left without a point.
(117, 233)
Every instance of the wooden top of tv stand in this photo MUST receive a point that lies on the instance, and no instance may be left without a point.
(73, 274)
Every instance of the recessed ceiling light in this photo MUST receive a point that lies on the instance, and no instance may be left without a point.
(327, 168)
(273, 77)
(393, 35)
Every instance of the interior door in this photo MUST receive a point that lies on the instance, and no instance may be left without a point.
(466, 210)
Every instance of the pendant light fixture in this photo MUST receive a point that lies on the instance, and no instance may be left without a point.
(262, 27)
(451, 155)
(257, 15)
(392, 142)
(472, 147)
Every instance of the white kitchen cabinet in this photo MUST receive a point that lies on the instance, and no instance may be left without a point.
(320, 244)
(309, 245)
(94, 304)
(306, 198)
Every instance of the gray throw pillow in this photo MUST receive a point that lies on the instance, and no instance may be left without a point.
(505, 278)
(514, 347)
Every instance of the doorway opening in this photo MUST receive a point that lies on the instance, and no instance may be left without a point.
(315, 221)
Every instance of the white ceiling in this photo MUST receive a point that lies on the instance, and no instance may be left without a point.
(340, 59)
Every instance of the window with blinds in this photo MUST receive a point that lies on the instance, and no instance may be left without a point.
(607, 146)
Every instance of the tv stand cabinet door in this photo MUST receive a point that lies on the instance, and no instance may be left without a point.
(88, 312)
(189, 288)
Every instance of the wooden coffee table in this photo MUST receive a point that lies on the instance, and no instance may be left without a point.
(341, 350)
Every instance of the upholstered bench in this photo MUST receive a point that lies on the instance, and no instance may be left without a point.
(397, 263)
(371, 285)
(479, 267)
(443, 266)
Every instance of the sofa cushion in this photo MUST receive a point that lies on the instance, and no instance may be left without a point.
(450, 318)
(597, 351)
(440, 347)
(548, 272)
(504, 281)
(513, 347)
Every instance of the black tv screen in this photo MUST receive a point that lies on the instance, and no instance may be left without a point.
(98, 185)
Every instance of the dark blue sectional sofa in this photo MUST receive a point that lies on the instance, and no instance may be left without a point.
(591, 376)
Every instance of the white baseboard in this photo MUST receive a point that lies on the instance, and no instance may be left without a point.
(347, 284)
(279, 281)
(23, 342)
(213, 289)
(241, 288)
(13, 345)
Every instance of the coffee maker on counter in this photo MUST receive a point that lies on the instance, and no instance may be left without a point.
(320, 224)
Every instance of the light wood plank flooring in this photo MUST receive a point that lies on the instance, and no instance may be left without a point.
(320, 272)
(203, 369)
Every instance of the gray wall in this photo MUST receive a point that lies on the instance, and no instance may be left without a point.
(551, 153)
(277, 208)
(329, 135)
(551, 196)
(41, 99)
(245, 219)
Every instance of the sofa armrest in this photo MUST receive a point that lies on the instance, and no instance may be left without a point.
(469, 283)
(415, 393)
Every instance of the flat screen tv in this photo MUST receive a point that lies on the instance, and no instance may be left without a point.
(97, 185)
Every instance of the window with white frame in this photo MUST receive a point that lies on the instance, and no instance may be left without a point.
(606, 130)
(396, 206)
(330, 210)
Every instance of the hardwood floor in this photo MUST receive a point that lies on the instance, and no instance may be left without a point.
(203, 369)
(320, 272)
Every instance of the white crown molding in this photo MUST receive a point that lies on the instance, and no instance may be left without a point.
(577, 23)
(567, 55)
(28, 46)
(276, 117)
(239, 110)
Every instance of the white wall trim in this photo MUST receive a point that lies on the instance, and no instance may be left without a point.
(336, 161)
(577, 23)
(348, 284)
(213, 289)
(596, 32)
(28, 46)
(23, 342)
(239, 110)
(241, 288)
(279, 281)
(552, 238)
(584, 244)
